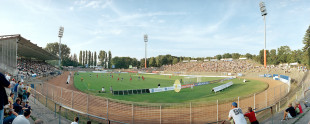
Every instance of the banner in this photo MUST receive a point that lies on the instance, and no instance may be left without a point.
(154, 90)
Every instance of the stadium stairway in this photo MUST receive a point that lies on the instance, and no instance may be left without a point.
(39, 111)
(299, 119)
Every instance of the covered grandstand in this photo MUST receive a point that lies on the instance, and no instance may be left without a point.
(16, 46)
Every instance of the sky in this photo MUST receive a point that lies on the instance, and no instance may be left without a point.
(193, 28)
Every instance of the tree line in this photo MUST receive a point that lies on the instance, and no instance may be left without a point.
(283, 54)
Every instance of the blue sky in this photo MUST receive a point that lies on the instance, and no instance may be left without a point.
(195, 28)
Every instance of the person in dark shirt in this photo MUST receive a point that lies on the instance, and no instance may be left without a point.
(3, 97)
(17, 107)
(251, 115)
(289, 112)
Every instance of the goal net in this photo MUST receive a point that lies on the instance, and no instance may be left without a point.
(191, 80)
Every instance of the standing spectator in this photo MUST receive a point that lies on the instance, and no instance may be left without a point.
(20, 91)
(3, 96)
(15, 90)
(88, 122)
(28, 90)
(24, 95)
(12, 85)
(76, 120)
(251, 115)
(111, 89)
(289, 112)
(236, 114)
(23, 119)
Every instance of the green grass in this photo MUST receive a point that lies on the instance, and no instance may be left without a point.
(199, 94)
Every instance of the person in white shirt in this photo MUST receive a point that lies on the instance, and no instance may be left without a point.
(22, 119)
(76, 120)
(236, 114)
(12, 85)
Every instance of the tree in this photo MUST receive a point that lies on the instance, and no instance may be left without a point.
(110, 59)
(152, 62)
(249, 56)
(227, 55)
(95, 58)
(306, 50)
(273, 57)
(296, 56)
(284, 54)
(75, 58)
(175, 60)
(106, 60)
(53, 48)
(92, 59)
(80, 57)
(235, 55)
(219, 57)
(84, 58)
(89, 58)
(101, 57)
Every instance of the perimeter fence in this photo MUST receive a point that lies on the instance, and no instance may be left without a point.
(102, 109)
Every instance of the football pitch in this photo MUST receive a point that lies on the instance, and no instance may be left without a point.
(91, 84)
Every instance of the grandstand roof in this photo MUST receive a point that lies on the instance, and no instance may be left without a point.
(28, 49)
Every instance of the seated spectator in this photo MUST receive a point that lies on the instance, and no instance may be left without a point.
(299, 107)
(27, 105)
(76, 120)
(251, 115)
(17, 107)
(9, 115)
(39, 121)
(289, 112)
(10, 98)
(23, 119)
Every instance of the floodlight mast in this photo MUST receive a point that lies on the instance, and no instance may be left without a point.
(145, 40)
(60, 34)
(264, 13)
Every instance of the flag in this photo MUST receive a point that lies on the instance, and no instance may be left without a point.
(142, 77)
(118, 79)
(130, 78)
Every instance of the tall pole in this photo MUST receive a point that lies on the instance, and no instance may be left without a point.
(59, 51)
(264, 13)
(145, 40)
(265, 56)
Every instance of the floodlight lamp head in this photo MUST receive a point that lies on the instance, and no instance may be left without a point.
(263, 8)
(145, 38)
(61, 31)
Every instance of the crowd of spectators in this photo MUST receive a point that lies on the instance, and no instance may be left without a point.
(234, 66)
(29, 67)
(14, 108)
